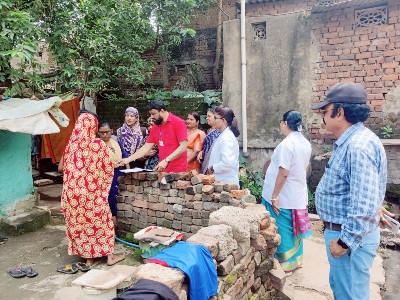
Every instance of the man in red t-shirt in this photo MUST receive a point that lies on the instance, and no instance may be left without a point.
(170, 135)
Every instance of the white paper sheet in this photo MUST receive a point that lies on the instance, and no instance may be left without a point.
(136, 170)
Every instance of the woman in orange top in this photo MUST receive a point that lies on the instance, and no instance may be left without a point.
(195, 140)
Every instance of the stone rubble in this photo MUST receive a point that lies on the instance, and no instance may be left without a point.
(239, 234)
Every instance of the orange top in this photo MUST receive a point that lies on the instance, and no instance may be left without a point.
(195, 144)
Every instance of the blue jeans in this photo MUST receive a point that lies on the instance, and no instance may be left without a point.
(349, 274)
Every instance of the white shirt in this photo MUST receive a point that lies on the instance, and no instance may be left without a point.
(292, 154)
(224, 157)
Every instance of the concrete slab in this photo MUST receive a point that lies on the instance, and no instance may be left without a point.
(50, 192)
(26, 222)
(69, 293)
(42, 182)
(314, 275)
(312, 280)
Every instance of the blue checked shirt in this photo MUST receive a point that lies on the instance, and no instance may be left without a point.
(354, 184)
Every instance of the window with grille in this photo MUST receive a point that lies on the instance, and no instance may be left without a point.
(371, 16)
(326, 2)
(259, 31)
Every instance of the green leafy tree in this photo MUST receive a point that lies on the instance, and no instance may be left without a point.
(19, 37)
(98, 43)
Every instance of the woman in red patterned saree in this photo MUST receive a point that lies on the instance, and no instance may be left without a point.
(88, 173)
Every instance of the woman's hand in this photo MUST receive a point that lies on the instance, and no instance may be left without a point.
(275, 206)
(200, 156)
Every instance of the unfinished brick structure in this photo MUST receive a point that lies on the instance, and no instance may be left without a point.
(184, 203)
(239, 234)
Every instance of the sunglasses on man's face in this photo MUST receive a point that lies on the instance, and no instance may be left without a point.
(324, 111)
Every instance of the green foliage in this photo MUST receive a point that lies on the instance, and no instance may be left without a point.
(186, 94)
(212, 98)
(251, 180)
(18, 44)
(327, 148)
(114, 97)
(387, 132)
(95, 43)
(311, 202)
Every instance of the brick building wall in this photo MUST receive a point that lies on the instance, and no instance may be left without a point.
(347, 52)
(350, 52)
(368, 55)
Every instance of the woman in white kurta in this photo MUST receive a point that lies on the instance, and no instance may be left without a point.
(223, 158)
(285, 191)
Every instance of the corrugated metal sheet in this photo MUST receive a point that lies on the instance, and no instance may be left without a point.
(346, 4)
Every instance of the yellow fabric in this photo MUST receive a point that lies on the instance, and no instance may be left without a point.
(292, 265)
(114, 150)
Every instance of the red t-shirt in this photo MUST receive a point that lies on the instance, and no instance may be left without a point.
(167, 137)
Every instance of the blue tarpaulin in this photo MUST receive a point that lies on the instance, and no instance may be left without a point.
(197, 263)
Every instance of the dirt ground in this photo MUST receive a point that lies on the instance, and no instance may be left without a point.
(317, 229)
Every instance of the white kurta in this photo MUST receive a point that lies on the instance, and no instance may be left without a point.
(292, 154)
(224, 157)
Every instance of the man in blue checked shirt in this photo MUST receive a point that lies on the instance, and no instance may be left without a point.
(351, 192)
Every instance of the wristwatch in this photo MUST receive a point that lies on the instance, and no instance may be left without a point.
(342, 244)
(167, 160)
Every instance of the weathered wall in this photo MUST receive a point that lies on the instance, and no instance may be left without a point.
(279, 74)
(368, 55)
(16, 184)
(336, 49)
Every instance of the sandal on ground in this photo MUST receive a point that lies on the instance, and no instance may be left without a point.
(3, 240)
(29, 271)
(68, 269)
(82, 266)
(16, 272)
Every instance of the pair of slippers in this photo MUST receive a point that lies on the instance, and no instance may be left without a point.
(22, 271)
(73, 268)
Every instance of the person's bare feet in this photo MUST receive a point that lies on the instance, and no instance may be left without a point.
(89, 261)
(112, 259)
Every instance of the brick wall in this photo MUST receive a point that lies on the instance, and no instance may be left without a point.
(240, 235)
(369, 56)
(184, 203)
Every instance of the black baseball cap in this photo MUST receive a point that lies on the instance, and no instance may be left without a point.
(344, 92)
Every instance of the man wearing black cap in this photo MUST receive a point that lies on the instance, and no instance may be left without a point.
(350, 193)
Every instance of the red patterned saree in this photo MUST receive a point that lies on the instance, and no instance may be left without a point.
(88, 173)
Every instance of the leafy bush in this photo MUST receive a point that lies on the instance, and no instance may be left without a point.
(251, 180)
(387, 132)
(311, 202)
